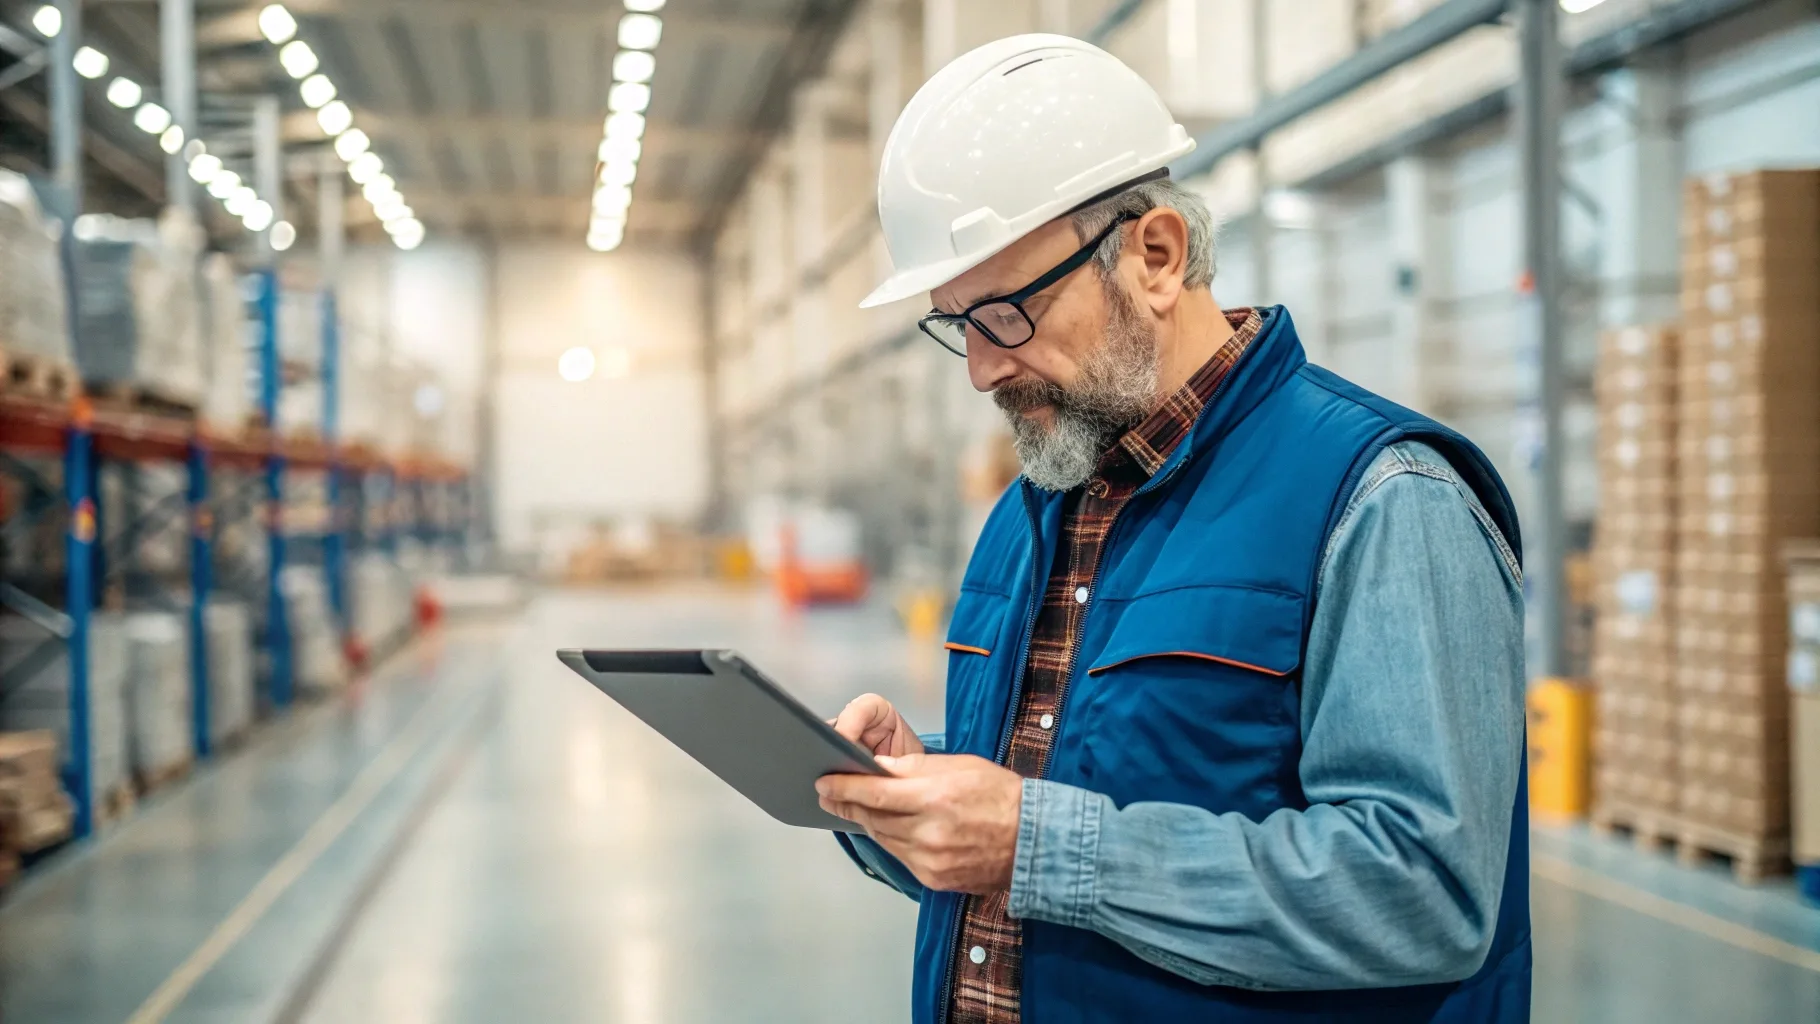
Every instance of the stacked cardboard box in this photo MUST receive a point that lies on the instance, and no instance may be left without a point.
(229, 626)
(1633, 567)
(41, 697)
(34, 812)
(1749, 450)
(1804, 696)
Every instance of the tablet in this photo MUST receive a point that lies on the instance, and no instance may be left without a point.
(740, 725)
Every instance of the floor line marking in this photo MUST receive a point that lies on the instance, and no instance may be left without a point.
(1603, 887)
(334, 821)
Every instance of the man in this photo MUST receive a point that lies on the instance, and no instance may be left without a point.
(1234, 710)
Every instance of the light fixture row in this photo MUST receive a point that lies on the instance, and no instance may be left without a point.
(640, 30)
(240, 200)
(336, 119)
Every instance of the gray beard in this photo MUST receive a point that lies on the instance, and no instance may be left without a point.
(1116, 390)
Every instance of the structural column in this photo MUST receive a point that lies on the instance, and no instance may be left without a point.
(1540, 94)
(1419, 255)
(66, 105)
(177, 32)
(1640, 204)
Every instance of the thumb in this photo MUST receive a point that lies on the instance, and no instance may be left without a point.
(908, 764)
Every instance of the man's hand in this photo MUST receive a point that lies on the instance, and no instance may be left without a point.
(951, 819)
(873, 723)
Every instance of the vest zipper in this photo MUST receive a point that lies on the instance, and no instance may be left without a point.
(1004, 743)
(1023, 657)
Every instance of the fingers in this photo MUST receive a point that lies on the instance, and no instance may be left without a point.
(895, 796)
(862, 715)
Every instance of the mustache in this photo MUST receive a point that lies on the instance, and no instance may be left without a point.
(1028, 394)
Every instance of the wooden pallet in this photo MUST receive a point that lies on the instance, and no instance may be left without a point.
(158, 778)
(141, 398)
(37, 376)
(1752, 858)
(114, 805)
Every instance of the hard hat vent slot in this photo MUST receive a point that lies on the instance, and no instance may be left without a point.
(1022, 66)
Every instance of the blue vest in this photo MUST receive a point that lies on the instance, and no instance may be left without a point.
(1214, 558)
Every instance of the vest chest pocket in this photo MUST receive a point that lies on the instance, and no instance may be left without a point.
(976, 647)
(1192, 697)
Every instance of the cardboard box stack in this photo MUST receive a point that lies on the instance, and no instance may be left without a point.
(34, 812)
(1633, 574)
(1749, 454)
(1804, 696)
(229, 626)
(40, 700)
(160, 724)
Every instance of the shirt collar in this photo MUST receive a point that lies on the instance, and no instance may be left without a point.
(1149, 444)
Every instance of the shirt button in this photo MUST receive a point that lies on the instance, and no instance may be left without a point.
(1098, 488)
(977, 954)
(1047, 722)
(1080, 595)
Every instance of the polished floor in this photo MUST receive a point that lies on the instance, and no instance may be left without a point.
(477, 836)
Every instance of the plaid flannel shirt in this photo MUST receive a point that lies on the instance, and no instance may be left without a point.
(988, 958)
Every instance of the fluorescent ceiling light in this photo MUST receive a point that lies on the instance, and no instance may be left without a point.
(90, 62)
(223, 184)
(626, 125)
(316, 90)
(48, 21)
(612, 198)
(620, 149)
(632, 97)
(618, 172)
(335, 118)
(407, 234)
(298, 59)
(204, 167)
(194, 149)
(604, 243)
(152, 118)
(645, 6)
(633, 66)
(640, 31)
(575, 365)
(124, 93)
(379, 187)
(241, 201)
(276, 24)
(365, 167)
(259, 217)
(284, 235)
(1579, 6)
(172, 140)
(391, 208)
(351, 144)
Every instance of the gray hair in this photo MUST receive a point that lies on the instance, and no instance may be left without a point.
(1140, 200)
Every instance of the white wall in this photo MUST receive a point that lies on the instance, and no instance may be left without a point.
(572, 455)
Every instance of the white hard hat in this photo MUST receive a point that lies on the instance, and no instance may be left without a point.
(1005, 139)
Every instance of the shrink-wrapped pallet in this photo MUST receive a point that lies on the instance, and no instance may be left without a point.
(160, 726)
(227, 343)
(229, 626)
(318, 664)
(40, 697)
(34, 318)
(138, 306)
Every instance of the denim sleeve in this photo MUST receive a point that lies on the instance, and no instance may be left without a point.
(872, 859)
(1412, 725)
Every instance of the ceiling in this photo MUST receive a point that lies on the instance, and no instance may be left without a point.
(488, 112)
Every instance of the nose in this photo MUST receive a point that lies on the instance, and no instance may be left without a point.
(989, 366)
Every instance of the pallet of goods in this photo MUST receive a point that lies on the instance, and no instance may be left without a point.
(1803, 559)
(1634, 751)
(160, 726)
(139, 312)
(1749, 454)
(41, 699)
(34, 326)
(35, 813)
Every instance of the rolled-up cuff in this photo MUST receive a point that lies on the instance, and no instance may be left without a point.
(1058, 841)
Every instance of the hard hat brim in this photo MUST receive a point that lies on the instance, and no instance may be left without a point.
(918, 280)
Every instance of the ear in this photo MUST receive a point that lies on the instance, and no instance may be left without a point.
(1160, 241)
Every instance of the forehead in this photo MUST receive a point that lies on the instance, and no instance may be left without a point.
(1012, 268)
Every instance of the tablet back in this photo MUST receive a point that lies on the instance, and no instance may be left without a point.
(737, 723)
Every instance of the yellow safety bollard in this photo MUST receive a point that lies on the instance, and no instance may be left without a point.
(1560, 739)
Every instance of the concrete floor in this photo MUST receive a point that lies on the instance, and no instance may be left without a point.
(481, 837)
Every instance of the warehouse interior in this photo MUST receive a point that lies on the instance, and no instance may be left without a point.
(359, 354)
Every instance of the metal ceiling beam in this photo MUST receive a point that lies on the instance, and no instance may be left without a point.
(240, 26)
(301, 126)
(431, 206)
(1439, 26)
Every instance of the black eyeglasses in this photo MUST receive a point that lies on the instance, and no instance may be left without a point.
(1002, 318)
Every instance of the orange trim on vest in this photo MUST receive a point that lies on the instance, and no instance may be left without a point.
(964, 649)
(1187, 654)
